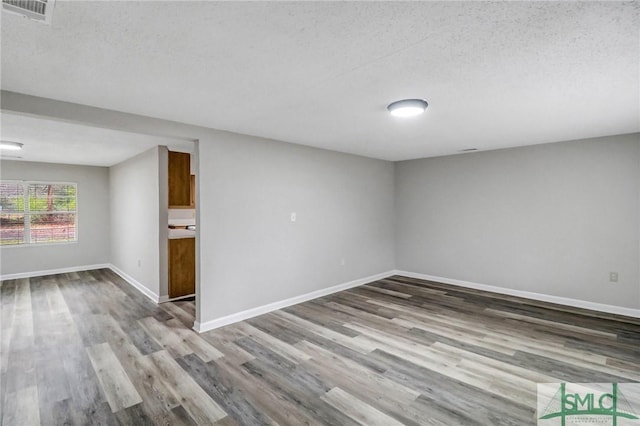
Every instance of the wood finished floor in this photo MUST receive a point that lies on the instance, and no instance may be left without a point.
(86, 348)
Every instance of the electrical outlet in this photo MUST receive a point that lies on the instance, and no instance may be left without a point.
(613, 277)
(342, 261)
(294, 216)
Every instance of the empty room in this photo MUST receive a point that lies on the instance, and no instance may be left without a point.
(320, 213)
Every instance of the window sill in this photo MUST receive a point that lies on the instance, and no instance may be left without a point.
(64, 243)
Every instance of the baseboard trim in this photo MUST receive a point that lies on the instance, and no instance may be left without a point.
(135, 283)
(53, 271)
(576, 303)
(164, 299)
(201, 327)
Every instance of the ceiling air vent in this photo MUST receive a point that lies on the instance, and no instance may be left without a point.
(37, 10)
(468, 150)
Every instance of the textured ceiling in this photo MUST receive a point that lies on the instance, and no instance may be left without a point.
(51, 141)
(496, 74)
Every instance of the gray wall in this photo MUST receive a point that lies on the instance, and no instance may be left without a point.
(552, 219)
(92, 247)
(134, 206)
(251, 252)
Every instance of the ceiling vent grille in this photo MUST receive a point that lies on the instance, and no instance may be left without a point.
(37, 10)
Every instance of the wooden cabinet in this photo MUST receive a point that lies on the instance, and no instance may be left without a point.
(179, 180)
(182, 267)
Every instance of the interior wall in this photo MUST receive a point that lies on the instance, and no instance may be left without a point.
(163, 221)
(92, 247)
(554, 219)
(134, 192)
(250, 253)
(182, 214)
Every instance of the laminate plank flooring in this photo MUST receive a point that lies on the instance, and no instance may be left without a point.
(87, 348)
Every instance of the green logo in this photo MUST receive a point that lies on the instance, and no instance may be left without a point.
(587, 404)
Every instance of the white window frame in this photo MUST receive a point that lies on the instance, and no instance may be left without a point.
(27, 213)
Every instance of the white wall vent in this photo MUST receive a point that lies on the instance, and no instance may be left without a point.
(37, 10)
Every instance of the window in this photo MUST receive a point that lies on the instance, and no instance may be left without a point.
(37, 212)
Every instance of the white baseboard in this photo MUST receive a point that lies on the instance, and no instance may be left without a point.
(576, 303)
(53, 271)
(163, 299)
(260, 310)
(129, 279)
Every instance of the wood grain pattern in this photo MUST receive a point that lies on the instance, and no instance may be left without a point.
(18, 408)
(115, 383)
(358, 410)
(192, 397)
(86, 348)
(182, 267)
(179, 180)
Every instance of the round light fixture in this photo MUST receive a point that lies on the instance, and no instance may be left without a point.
(10, 146)
(407, 107)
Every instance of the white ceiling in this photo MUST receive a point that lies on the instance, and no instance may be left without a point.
(496, 74)
(51, 141)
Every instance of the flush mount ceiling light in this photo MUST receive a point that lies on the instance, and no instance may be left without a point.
(10, 146)
(407, 107)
